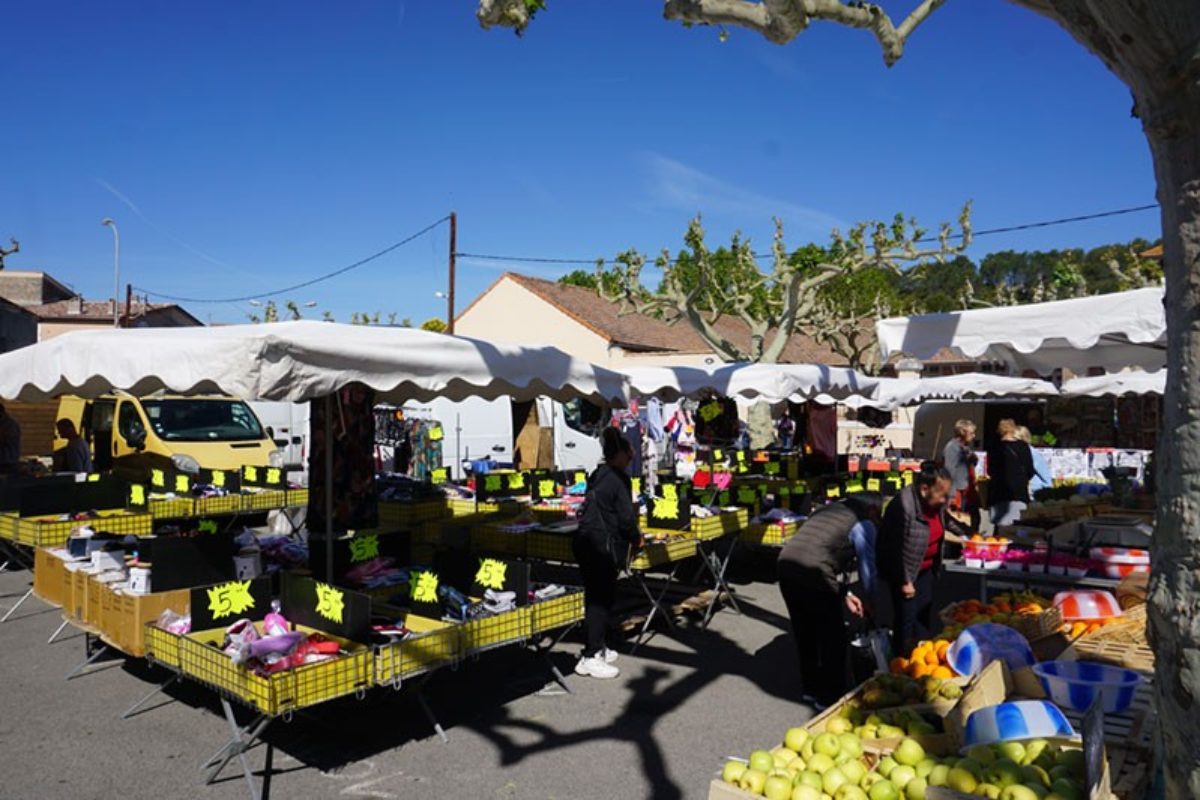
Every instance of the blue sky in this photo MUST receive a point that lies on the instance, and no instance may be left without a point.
(243, 147)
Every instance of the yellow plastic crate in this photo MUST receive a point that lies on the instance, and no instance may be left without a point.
(724, 523)
(405, 515)
(488, 633)
(661, 553)
(549, 516)
(53, 532)
(162, 647)
(490, 539)
(558, 612)
(549, 546)
(265, 500)
(172, 508)
(8, 526)
(282, 692)
(466, 508)
(770, 534)
(433, 645)
(297, 497)
(216, 506)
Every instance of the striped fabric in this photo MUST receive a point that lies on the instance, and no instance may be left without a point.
(1076, 684)
(1023, 719)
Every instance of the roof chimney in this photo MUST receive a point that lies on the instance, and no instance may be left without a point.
(75, 306)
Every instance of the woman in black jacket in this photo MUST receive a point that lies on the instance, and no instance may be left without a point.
(608, 527)
(1010, 468)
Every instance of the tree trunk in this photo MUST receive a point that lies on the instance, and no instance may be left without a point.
(761, 424)
(1172, 124)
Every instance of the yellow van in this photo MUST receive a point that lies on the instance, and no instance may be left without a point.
(132, 435)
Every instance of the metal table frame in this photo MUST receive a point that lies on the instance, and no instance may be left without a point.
(1025, 580)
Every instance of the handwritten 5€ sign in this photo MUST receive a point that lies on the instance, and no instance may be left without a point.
(424, 587)
(330, 603)
(491, 574)
(229, 599)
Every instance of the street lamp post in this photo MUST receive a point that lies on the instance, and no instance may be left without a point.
(108, 221)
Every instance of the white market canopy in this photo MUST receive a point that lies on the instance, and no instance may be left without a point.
(1117, 384)
(298, 361)
(771, 383)
(1110, 331)
(893, 393)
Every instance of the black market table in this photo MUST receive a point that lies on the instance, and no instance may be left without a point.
(1024, 580)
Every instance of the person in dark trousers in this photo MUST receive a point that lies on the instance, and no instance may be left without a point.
(909, 552)
(1010, 468)
(816, 569)
(608, 527)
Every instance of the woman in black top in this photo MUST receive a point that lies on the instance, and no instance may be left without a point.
(608, 527)
(1010, 467)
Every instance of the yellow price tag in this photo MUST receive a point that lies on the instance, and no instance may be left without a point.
(424, 587)
(436, 434)
(833, 491)
(274, 476)
(364, 548)
(516, 481)
(747, 496)
(853, 488)
(94, 477)
(580, 477)
(908, 479)
(438, 476)
(710, 411)
(873, 485)
(666, 508)
(182, 484)
(741, 455)
(546, 488)
(250, 474)
(771, 468)
(207, 526)
(229, 599)
(330, 603)
(218, 478)
(137, 495)
(158, 479)
(718, 455)
(670, 491)
(493, 483)
(636, 484)
(491, 574)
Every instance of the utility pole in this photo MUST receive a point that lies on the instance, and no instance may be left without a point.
(108, 222)
(450, 294)
(128, 305)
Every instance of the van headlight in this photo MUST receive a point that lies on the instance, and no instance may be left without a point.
(275, 458)
(185, 463)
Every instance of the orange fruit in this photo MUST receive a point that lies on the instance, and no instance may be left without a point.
(898, 665)
(922, 671)
(932, 659)
(944, 673)
(942, 647)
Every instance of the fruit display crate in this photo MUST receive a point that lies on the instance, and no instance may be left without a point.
(1122, 643)
(769, 534)
(49, 577)
(557, 612)
(171, 507)
(434, 644)
(549, 546)
(405, 515)
(201, 660)
(659, 554)
(498, 630)
(1033, 627)
(161, 647)
(54, 532)
(724, 523)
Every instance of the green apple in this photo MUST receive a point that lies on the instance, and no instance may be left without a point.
(1038, 790)
(806, 749)
(784, 751)
(901, 775)
(1013, 751)
(916, 789)
(939, 775)
(809, 778)
(733, 771)
(854, 771)
(1060, 771)
(838, 726)
(796, 765)
(884, 790)
(886, 765)
(777, 787)
(1018, 792)
(753, 781)
(982, 753)
(869, 780)
(795, 738)
(781, 761)
(1055, 796)
(1066, 788)
(762, 761)
(962, 780)
(972, 766)
(890, 732)
(828, 744)
(909, 753)
(1004, 773)
(820, 763)
(806, 793)
(832, 780)
(925, 766)
(843, 757)
(850, 744)
(1034, 749)
(849, 792)
(988, 790)
(1035, 774)
(1072, 760)
(921, 728)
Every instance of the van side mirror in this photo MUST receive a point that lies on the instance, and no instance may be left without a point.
(283, 442)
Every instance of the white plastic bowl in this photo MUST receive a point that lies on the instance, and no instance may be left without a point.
(1076, 684)
(1087, 604)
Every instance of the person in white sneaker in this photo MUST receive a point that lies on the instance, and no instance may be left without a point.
(607, 527)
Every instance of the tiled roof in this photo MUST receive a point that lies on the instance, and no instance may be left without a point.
(97, 310)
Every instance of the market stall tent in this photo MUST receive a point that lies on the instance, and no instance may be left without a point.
(1117, 384)
(771, 383)
(1110, 331)
(891, 393)
(298, 361)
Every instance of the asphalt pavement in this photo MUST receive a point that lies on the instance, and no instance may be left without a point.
(683, 703)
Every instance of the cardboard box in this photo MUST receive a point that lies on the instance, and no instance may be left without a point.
(49, 577)
(125, 623)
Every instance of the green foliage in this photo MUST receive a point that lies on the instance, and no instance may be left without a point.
(434, 324)
(591, 280)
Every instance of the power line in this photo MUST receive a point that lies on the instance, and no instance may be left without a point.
(305, 284)
(926, 240)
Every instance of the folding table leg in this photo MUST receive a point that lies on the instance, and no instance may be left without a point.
(237, 746)
(717, 568)
(58, 630)
(161, 688)
(17, 605)
(420, 695)
(87, 647)
(656, 605)
(544, 654)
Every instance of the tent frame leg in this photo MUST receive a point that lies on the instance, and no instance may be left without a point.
(171, 681)
(656, 605)
(58, 630)
(237, 747)
(89, 646)
(717, 568)
(419, 693)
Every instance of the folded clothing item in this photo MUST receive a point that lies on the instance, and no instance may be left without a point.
(498, 602)
(549, 592)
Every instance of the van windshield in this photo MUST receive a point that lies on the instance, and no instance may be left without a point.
(202, 420)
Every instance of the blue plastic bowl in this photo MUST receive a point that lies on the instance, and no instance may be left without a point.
(1010, 722)
(981, 644)
(1076, 684)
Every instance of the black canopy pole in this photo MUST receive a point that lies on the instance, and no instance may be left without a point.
(328, 490)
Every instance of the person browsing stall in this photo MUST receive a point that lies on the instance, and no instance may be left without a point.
(76, 456)
(1042, 478)
(959, 459)
(815, 577)
(909, 551)
(1010, 468)
(10, 441)
(607, 528)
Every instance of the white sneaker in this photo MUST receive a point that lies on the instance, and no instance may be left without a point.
(595, 667)
(610, 656)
